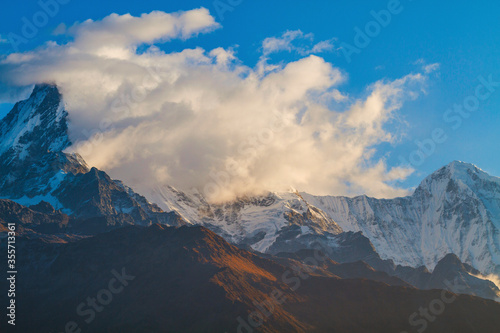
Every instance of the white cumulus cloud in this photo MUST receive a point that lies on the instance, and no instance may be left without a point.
(200, 118)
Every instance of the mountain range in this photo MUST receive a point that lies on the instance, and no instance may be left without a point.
(454, 210)
(200, 262)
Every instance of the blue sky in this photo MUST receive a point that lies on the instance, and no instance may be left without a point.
(462, 37)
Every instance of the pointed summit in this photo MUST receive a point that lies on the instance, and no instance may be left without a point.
(459, 168)
(455, 177)
(43, 88)
(32, 139)
(34, 126)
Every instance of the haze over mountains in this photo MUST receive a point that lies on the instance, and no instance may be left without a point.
(447, 230)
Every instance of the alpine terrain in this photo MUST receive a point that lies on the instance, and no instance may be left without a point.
(188, 265)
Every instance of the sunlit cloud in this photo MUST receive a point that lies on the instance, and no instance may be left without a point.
(199, 117)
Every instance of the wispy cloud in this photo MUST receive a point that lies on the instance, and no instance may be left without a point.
(431, 68)
(60, 30)
(296, 41)
(427, 68)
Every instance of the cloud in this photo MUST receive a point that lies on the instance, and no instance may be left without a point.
(295, 41)
(203, 119)
(60, 29)
(427, 68)
(492, 278)
(323, 46)
(431, 68)
(3, 40)
(119, 35)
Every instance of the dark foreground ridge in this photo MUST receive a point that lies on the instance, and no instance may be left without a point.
(188, 279)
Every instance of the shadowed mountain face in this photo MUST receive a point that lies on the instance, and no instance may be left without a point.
(41, 215)
(44, 222)
(349, 270)
(450, 268)
(449, 274)
(188, 279)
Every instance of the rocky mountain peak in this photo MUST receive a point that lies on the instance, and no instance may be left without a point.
(450, 260)
(457, 177)
(35, 126)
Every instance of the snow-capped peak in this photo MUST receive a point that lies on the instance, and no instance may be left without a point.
(459, 170)
(457, 177)
(35, 125)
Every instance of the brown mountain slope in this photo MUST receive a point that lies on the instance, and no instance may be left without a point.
(189, 279)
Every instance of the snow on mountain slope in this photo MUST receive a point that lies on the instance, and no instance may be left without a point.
(454, 210)
(32, 138)
(255, 221)
(37, 123)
